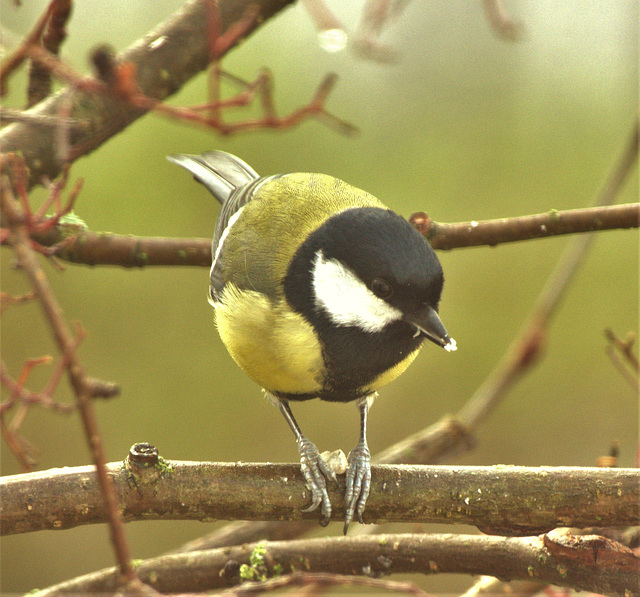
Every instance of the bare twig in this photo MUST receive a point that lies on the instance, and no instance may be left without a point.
(20, 398)
(594, 565)
(7, 300)
(20, 54)
(625, 347)
(21, 449)
(527, 345)
(505, 230)
(104, 248)
(621, 354)
(15, 218)
(508, 500)
(20, 393)
(376, 15)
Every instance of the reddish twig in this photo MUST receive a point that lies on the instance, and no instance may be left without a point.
(43, 398)
(21, 449)
(16, 219)
(21, 398)
(221, 42)
(21, 53)
(38, 223)
(263, 87)
(7, 300)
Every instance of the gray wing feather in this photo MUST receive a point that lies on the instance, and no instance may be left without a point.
(232, 182)
(221, 173)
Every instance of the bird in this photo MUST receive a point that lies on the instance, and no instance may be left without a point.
(319, 291)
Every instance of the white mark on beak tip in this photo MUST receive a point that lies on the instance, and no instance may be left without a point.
(451, 346)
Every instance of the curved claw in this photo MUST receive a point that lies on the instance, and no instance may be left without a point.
(315, 472)
(358, 483)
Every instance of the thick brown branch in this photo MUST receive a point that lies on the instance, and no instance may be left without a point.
(83, 246)
(594, 566)
(104, 248)
(499, 499)
(164, 61)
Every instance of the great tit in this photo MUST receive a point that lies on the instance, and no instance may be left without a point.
(319, 291)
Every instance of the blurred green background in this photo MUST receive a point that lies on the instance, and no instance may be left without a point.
(464, 126)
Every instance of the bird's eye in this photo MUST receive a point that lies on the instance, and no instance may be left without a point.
(381, 288)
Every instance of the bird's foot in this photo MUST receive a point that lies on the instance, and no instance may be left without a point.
(358, 483)
(316, 471)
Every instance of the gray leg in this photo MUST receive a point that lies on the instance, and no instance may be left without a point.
(314, 468)
(359, 471)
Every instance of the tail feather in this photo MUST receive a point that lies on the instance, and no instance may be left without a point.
(220, 172)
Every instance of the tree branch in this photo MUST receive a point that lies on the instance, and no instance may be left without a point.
(586, 563)
(82, 385)
(510, 500)
(507, 230)
(164, 61)
(82, 246)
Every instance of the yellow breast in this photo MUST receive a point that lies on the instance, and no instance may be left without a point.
(390, 374)
(274, 346)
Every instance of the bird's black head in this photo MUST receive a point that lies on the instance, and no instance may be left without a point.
(369, 268)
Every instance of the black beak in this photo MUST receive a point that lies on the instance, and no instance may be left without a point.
(427, 323)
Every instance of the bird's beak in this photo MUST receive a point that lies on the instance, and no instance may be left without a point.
(427, 322)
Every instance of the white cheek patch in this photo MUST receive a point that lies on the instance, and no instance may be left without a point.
(346, 299)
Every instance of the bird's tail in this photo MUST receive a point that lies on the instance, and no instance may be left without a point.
(221, 172)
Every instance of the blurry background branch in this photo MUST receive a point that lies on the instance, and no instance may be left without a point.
(588, 563)
(161, 62)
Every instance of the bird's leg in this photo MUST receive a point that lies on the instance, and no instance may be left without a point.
(314, 469)
(359, 470)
